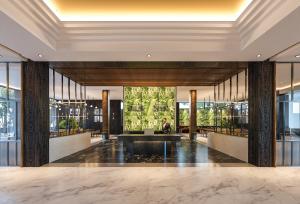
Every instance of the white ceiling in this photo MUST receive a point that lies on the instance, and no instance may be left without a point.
(203, 93)
(116, 92)
(284, 77)
(7, 55)
(289, 55)
(266, 27)
(95, 92)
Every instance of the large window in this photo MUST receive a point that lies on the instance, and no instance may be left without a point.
(10, 110)
(288, 114)
(229, 118)
(67, 105)
(10, 100)
(222, 108)
(184, 114)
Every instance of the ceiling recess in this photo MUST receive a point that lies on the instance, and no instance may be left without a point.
(146, 10)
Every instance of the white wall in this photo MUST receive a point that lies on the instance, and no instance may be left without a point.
(232, 145)
(95, 92)
(60, 147)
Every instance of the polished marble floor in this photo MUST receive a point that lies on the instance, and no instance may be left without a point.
(184, 153)
(143, 185)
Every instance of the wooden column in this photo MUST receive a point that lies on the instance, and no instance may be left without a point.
(262, 118)
(35, 109)
(193, 112)
(105, 115)
(177, 117)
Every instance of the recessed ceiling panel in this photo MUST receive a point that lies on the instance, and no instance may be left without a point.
(147, 10)
(148, 73)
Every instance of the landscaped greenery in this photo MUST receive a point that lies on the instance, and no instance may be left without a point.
(184, 117)
(205, 117)
(145, 107)
(73, 124)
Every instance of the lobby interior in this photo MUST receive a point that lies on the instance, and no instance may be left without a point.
(149, 101)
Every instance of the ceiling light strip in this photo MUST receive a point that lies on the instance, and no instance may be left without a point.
(213, 16)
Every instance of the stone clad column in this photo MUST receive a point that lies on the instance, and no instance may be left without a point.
(35, 108)
(105, 113)
(193, 112)
(261, 97)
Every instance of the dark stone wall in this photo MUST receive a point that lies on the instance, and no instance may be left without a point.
(262, 118)
(35, 108)
(116, 124)
(116, 116)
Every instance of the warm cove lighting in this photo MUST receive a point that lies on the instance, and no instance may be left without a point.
(287, 87)
(146, 10)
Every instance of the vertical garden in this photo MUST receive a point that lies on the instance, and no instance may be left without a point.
(145, 107)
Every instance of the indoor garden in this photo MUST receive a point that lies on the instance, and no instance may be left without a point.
(227, 118)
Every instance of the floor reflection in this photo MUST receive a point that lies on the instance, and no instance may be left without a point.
(113, 152)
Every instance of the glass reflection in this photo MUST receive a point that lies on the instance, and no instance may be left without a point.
(288, 114)
(229, 118)
(66, 106)
(10, 114)
(10, 101)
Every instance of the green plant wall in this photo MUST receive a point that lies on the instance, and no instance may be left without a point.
(145, 107)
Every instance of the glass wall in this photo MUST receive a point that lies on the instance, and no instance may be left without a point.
(227, 118)
(231, 118)
(288, 114)
(10, 114)
(222, 108)
(67, 105)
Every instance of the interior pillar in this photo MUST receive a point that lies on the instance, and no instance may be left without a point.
(177, 117)
(35, 117)
(115, 122)
(262, 118)
(193, 113)
(105, 113)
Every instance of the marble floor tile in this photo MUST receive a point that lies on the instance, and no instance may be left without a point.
(139, 185)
